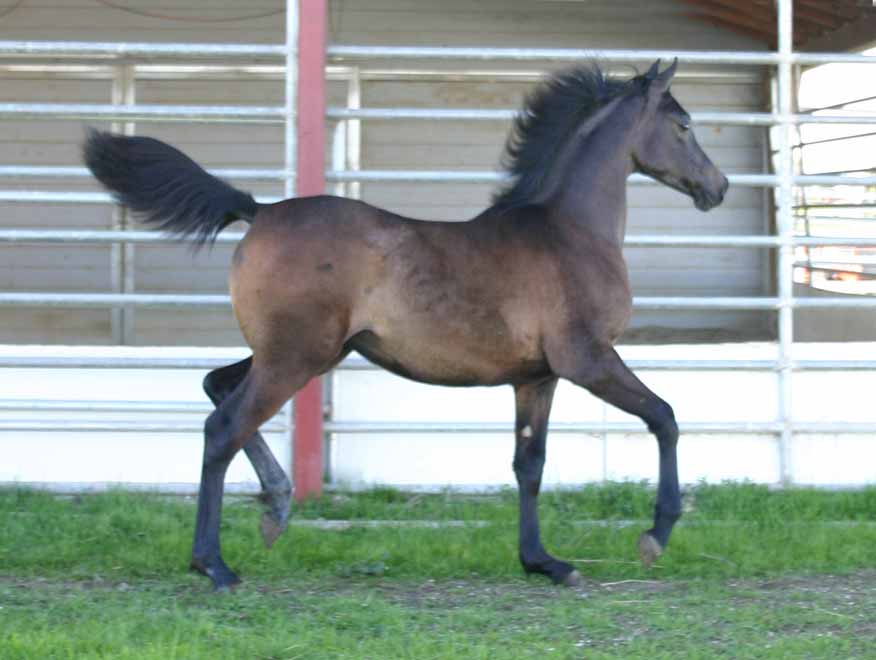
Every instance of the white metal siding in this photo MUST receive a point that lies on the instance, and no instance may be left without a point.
(389, 145)
(463, 460)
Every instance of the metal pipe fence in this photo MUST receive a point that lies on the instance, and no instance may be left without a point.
(111, 54)
(782, 61)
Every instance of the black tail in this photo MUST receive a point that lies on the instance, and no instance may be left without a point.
(165, 187)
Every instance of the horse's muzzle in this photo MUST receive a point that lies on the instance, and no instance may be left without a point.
(705, 200)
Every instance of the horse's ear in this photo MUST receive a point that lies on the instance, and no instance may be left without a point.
(669, 72)
(651, 73)
(661, 81)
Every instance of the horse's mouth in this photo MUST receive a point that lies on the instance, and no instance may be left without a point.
(703, 199)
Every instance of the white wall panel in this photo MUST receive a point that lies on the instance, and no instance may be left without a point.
(132, 457)
(820, 459)
(465, 461)
(402, 145)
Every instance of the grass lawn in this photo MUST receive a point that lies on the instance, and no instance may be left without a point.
(749, 573)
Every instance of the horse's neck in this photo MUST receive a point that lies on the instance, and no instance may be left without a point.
(594, 190)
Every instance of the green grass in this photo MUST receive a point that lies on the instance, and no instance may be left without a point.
(750, 573)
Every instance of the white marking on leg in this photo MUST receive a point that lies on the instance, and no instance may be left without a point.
(526, 432)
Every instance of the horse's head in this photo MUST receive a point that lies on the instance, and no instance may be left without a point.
(666, 148)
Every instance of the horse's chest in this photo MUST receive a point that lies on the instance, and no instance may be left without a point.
(599, 299)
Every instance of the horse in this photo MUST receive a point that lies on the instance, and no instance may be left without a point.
(532, 290)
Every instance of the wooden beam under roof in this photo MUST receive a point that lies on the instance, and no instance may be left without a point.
(852, 36)
(814, 20)
(767, 11)
(742, 18)
(806, 24)
(711, 18)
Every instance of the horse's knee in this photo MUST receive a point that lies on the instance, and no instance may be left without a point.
(662, 423)
(218, 441)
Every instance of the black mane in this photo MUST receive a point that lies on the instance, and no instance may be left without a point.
(549, 117)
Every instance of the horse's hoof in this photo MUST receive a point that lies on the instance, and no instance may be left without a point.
(222, 577)
(573, 579)
(649, 549)
(270, 529)
(224, 580)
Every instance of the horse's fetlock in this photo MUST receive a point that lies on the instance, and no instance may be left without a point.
(669, 513)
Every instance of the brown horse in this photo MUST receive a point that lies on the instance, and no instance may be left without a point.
(533, 289)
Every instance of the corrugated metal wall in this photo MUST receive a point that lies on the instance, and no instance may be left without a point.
(386, 145)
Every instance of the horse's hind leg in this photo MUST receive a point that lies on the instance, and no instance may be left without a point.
(606, 376)
(533, 408)
(255, 400)
(276, 489)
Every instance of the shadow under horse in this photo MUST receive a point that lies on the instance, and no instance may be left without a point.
(532, 290)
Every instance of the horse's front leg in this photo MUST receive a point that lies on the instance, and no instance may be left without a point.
(604, 374)
(533, 409)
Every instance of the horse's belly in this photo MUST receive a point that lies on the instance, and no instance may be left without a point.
(444, 360)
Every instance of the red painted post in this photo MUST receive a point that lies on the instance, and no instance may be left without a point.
(307, 464)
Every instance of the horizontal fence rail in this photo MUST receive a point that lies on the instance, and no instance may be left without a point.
(275, 114)
(101, 300)
(456, 176)
(462, 176)
(61, 196)
(99, 236)
(145, 50)
(361, 364)
(418, 176)
(731, 118)
(595, 427)
(64, 172)
(115, 426)
(104, 112)
(129, 359)
(110, 236)
(146, 359)
(164, 300)
(344, 53)
(51, 405)
(140, 50)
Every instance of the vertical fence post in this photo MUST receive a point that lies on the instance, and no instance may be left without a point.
(354, 132)
(122, 255)
(785, 231)
(307, 450)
